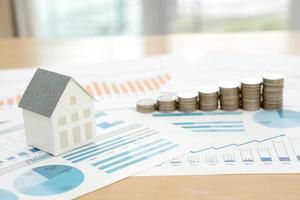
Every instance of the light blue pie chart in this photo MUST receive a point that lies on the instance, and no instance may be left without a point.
(7, 195)
(49, 180)
(278, 118)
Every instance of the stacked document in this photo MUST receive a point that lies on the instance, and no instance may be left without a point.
(157, 144)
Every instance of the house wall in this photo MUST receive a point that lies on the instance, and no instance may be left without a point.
(38, 131)
(69, 121)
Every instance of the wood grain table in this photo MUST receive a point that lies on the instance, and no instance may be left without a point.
(16, 53)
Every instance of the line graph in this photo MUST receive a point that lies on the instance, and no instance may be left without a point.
(238, 145)
(274, 154)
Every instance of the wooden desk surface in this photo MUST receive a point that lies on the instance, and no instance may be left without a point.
(32, 52)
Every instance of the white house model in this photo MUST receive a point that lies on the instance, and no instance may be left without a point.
(58, 113)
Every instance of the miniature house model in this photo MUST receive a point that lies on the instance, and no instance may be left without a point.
(58, 113)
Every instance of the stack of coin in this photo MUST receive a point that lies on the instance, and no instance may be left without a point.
(146, 105)
(251, 93)
(208, 98)
(230, 95)
(167, 103)
(187, 101)
(272, 91)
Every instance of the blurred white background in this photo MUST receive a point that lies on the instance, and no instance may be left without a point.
(77, 18)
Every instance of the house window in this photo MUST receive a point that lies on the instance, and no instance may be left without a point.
(76, 135)
(74, 117)
(72, 100)
(62, 121)
(63, 139)
(88, 130)
(86, 113)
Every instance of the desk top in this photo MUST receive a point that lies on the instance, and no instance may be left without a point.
(32, 52)
(16, 53)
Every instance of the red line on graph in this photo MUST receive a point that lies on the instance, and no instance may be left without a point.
(168, 77)
(123, 88)
(161, 80)
(148, 85)
(139, 85)
(1, 104)
(10, 101)
(132, 89)
(18, 98)
(97, 88)
(106, 88)
(89, 90)
(115, 88)
(155, 83)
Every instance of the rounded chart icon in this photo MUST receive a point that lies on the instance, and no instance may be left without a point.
(278, 118)
(7, 195)
(49, 180)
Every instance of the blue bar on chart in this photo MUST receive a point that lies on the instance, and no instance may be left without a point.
(12, 129)
(142, 158)
(33, 150)
(213, 126)
(127, 152)
(195, 114)
(264, 154)
(281, 151)
(22, 153)
(106, 125)
(10, 158)
(246, 155)
(131, 155)
(86, 153)
(99, 114)
(130, 128)
(229, 158)
(295, 143)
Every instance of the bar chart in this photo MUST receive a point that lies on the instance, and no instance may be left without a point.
(127, 146)
(212, 126)
(14, 152)
(191, 114)
(126, 87)
(131, 86)
(276, 154)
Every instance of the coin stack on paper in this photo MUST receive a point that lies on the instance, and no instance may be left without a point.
(247, 94)
(167, 102)
(208, 98)
(146, 105)
(230, 95)
(187, 101)
(272, 91)
(251, 93)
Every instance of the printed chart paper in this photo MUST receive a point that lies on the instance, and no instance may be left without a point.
(272, 144)
(126, 148)
(114, 84)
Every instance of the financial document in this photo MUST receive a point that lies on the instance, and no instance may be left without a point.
(128, 143)
(113, 84)
(270, 143)
(274, 153)
(124, 148)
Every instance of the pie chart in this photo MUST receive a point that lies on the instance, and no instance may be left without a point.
(49, 180)
(7, 195)
(278, 118)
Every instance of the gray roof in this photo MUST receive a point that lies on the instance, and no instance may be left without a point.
(44, 91)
